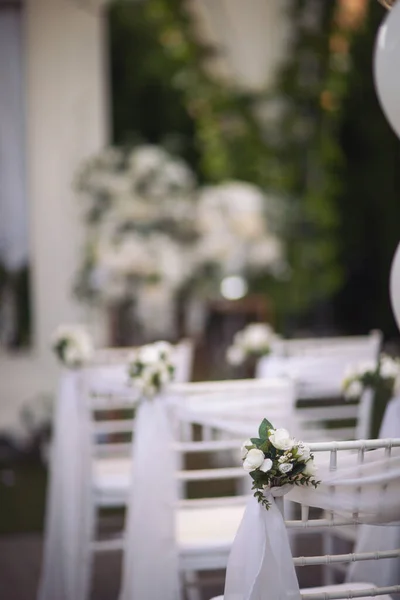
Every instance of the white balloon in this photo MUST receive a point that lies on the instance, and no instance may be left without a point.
(387, 67)
(395, 285)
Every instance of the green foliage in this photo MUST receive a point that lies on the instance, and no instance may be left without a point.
(265, 426)
(162, 86)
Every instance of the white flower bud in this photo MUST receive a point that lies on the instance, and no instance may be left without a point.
(254, 459)
(285, 467)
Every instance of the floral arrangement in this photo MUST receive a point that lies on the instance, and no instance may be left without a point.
(255, 340)
(151, 367)
(152, 233)
(275, 459)
(139, 213)
(380, 376)
(237, 237)
(72, 345)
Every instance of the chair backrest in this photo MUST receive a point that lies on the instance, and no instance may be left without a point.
(322, 412)
(335, 455)
(235, 406)
(359, 348)
(318, 367)
(111, 399)
(182, 358)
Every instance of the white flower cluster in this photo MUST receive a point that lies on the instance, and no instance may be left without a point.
(234, 231)
(255, 459)
(150, 228)
(275, 459)
(140, 217)
(151, 367)
(72, 345)
(370, 374)
(256, 339)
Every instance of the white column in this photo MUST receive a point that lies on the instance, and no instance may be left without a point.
(66, 120)
(66, 117)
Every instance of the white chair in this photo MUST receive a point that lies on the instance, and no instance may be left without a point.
(233, 408)
(322, 413)
(205, 527)
(318, 366)
(334, 454)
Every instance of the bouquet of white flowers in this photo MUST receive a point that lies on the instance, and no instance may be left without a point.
(275, 459)
(382, 376)
(255, 340)
(151, 368)
(72, 345)
(236, 230)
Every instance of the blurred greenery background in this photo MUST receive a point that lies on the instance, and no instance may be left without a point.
(330, 154)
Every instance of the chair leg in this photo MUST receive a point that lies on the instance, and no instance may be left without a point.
(192, 586)
(88, 554)
(328, 542)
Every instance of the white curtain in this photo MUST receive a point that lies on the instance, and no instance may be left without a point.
(13, 209)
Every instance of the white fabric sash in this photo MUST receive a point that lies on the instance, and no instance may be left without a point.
(260, 563)
(150, 568)
(65, 572)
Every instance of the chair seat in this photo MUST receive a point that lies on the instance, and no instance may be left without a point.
(335, 588)
(111, 480)
(205, 535)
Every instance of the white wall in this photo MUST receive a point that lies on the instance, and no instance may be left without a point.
(66, 122)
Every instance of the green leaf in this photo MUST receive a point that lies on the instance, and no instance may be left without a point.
(264, 428)
(297, 469)
(267, 448)
(256, 441)
(256, 475)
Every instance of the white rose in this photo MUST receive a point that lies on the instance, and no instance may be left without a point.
(164, 374)
(235, 356)
(267, 465)
(149, 354)
(389, 368)
(84, 343)
(285, 467)
(354, 390)
(72, 356)
(254, 459)
(164, 349)
(303, 450)
(257, 336)
(244, 450)
(310, 469)
(280, 439)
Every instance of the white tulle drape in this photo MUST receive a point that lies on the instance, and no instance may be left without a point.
(150, 568)
(371, 538)
(65, 570)
(260, 564)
